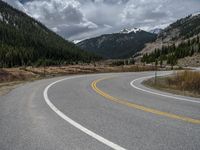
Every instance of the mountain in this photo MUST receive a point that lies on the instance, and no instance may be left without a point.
(177, 32)
(118, 45)
(182, 29)
(177, 41)
(25, 41)
(156, 31)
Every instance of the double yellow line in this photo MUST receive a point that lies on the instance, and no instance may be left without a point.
(140, 107)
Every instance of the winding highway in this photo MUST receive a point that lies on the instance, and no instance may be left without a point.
(98, 112)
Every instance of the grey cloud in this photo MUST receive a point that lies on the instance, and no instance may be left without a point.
(105, 1)
(80, 19)
(54, 15)
(63, 17)
(74, 31)
(155, 15)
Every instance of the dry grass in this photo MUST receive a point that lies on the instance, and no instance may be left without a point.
(10, 77)
(15, 74)
(183, 83)
(21, 74)
(85, 69)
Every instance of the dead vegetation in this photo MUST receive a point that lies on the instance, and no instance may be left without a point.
(10, 77)
(183, 82)
(27, 73)
(15, 74)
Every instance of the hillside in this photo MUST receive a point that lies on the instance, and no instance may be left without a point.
(171, 54)
(118, 45)
(177, 32)
(25, 41)
(179, 40)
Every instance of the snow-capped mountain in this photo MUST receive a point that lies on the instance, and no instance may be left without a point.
(118, 45)
(127, 31)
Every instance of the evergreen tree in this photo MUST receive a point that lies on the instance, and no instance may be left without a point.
(172, 53)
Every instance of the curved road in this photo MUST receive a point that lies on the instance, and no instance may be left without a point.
(101, 111)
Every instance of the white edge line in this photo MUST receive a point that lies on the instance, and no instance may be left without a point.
(75, 124)
(159, 94)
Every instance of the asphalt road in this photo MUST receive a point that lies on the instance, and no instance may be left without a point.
(97, 112)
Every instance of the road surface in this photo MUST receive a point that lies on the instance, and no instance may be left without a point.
(97, 112)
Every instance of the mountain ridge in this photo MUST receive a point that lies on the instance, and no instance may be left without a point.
(123, 44)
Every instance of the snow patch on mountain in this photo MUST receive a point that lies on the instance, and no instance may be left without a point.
(76, 41)
(127, 31)
(196, 14)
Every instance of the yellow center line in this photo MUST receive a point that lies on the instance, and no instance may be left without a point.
(140, 107)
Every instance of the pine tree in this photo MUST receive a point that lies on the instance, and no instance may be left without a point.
(192, 51)
(161, 62)
(197, 38)
(199, 47)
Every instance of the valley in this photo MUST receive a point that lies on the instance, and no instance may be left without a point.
(99, 75)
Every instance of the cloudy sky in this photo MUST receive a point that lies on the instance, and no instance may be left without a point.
(81, 19)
